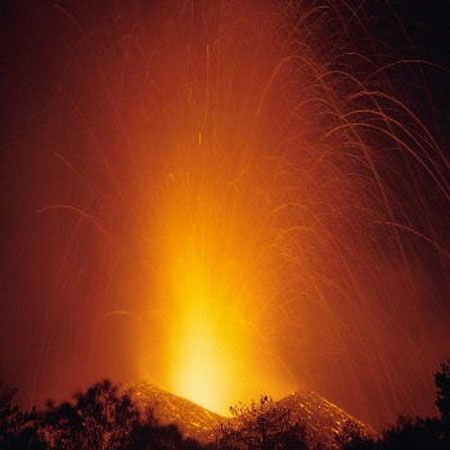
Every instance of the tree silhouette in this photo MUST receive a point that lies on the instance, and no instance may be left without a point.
(414, 434)
(105, 418)
(420, 433)
(352, 438)
(18, 430)
(9, 415)
(99, 419)
(442, 382)
(263, 425)
(151, 435)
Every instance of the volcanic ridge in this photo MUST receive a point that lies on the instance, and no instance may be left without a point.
(322, 419)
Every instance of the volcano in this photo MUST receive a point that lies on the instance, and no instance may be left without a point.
(322, 419)
(193, 420)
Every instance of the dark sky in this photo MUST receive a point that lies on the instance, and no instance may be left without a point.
(55, 279)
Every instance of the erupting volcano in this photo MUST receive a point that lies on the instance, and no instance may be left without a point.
(225, 198)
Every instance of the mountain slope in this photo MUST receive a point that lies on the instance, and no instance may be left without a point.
(193, 420)
(321, 418)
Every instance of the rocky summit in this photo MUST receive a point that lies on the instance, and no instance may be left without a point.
(322, 419)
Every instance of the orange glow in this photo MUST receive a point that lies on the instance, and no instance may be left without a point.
(218, 255)
(263, 198)
(226, 198)
(214, 270)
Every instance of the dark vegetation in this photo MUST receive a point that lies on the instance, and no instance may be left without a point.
(104, 418)
(419, 433)
(263, 425)
(101, 418)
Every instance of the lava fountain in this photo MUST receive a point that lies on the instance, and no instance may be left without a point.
(239, 201)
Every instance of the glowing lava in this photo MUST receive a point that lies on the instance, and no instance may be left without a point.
(233, 196)
(215, 272)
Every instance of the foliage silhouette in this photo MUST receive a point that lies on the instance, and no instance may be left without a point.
(264, 425)
(352, 438)
(9, 415)
(442, 382)
(18, 430)
(98, 419)
(150, 435)
(104, 418)
(420, 433)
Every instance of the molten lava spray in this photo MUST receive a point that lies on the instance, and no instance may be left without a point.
(218, 261)
(232, 198)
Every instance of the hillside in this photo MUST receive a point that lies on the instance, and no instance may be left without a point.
(322, 419)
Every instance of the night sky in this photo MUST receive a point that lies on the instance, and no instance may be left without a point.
(57, 283)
